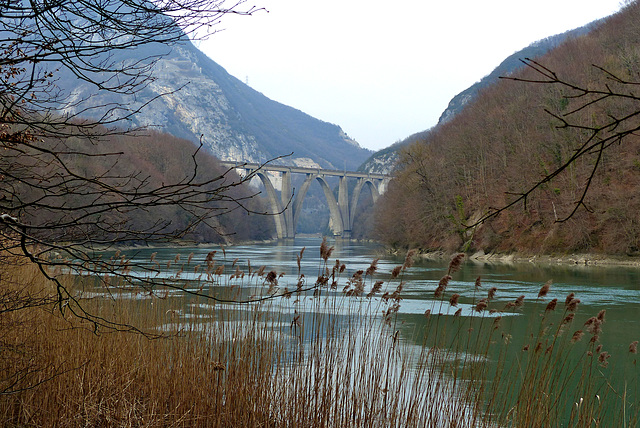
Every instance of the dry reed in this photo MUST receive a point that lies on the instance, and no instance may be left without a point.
(321, 358)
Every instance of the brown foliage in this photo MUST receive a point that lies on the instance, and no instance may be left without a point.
(511, 137)
(134, 164)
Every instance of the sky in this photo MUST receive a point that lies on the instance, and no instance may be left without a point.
(383, 70)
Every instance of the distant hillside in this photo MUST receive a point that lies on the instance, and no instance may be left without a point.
(137, 164)
(201, 99)
(503, 142)
(384, 160)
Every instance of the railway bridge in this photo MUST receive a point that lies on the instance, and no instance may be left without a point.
(287, 206)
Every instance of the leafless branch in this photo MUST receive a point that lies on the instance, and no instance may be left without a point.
(599, 137)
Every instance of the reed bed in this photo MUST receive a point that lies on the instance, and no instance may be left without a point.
(328, 353)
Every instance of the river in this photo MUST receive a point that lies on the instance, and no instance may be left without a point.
(612, 288)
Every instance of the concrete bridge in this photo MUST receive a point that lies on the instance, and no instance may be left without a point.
(288, 206)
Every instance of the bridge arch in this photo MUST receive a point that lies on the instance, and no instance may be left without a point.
(334, 209)
(276, 206)
(286, 209)
(375, 194)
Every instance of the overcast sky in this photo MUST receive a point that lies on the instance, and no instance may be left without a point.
(384, 70)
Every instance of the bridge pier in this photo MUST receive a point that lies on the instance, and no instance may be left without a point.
(286, 197)
(343, 205)
(286, 208)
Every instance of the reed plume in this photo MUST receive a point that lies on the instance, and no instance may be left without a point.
(577, 336)
(551, 306)
(373, 267)
(544, 290)
(453, 300)
(481, 305)
(299, 259)
(408, 260)
(572, 306)
(377, 286)
(593, 325)
(272, 278)
(478, 282)
(444, 281)
(325, 250)
(455, 263)
(603, 357)
(569, 298)
(519, 301)
(396, 272)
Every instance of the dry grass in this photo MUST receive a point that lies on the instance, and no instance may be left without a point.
(332, 361)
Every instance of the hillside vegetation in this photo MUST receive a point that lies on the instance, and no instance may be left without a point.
(383, 161)
(136, 163)
(505, 141)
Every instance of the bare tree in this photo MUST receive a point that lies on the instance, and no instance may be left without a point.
(618, 106)
(53, 212)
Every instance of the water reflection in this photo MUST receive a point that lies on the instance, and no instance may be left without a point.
(616, 289)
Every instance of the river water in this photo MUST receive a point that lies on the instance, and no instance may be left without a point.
(614, 289)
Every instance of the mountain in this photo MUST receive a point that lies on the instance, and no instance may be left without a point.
(383, 161)
(134, 189)
(511, 64)
(192, 97)
(562, 160)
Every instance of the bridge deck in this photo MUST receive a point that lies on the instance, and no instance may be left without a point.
(301, 170)
(286, 206)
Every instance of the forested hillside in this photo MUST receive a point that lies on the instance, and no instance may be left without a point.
(384, 161)
(508, 139)
(136, 164)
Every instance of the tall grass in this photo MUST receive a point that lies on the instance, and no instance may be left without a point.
(333, 356)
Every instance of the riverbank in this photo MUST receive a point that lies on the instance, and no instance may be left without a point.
(542, 259)
(479, 257)
(173, 244)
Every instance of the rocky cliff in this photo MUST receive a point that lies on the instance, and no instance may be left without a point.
(192, 97)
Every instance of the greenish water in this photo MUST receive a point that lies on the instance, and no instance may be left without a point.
(614, 289)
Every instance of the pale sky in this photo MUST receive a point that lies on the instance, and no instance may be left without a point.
(384, 70)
